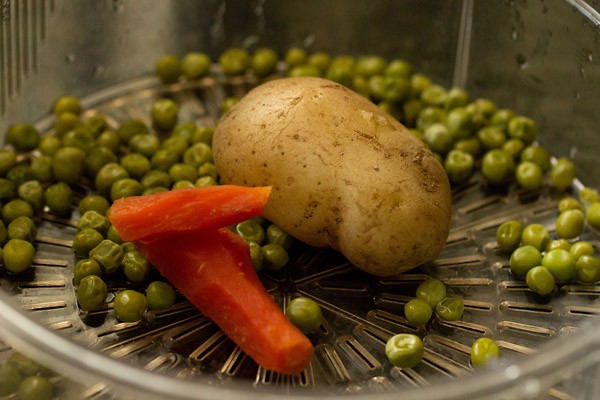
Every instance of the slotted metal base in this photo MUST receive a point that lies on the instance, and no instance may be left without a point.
(360, 311)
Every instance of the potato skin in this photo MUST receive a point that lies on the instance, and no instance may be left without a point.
(344, 173)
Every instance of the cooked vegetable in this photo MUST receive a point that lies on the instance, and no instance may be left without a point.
(130, 305)
(91, 293)
(144, 218)
(344, 174)
(36, 388)
(483, 351)
(405, 350)
(450, 309)
(418, 312)
(431, 291)
(212, 269)
(540, 280)
(305, 313)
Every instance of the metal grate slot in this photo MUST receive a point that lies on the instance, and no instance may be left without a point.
(364, 359)
(520, 328)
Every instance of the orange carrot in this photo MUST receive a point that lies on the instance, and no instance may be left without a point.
(143, 218)
(212, 269)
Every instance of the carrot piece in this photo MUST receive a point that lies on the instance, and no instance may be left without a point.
(144, 218)
(212, 269)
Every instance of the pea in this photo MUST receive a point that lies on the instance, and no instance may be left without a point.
(513, 147)
(128, 246)
(278, 236)
(85, 267)
(124, 188)
(341, 70)
(20, 174)
(523, 128)
(569, 203)
(156, 189)
(295, 56)
(67, 104)
(160, 295)
(23, 137)
(168, 69)
(275, 256)
(587, 269)
(156, 178)
(588, 195)
(418, 312)
(41, 167)
(18, 255)
(405, 350)
(93, 202)
(592, 215)
(569, 224)
(59, 198)
(501, 117)
(481, 111)
(208, 169)
(203, 134)
(305, 314)
(68, 164)
(229, 102)
(250, 231)
(135, 266)
(264, 62)
(198, 154)
(418, 82)
(459, 123)
(10, 379)
(319, 60)
(456, 97)
(129, 305)
(182, 185)
(22, 228)
(144, 143)
(49, 144)
(483, 351)
(66, 122)
(85, 240)
(558, 244)
(163, 159)
(33, 193)
(135, 164)
(256, 256)
(130, 128)
(410, 111)
(109, 174)
(538, 155)
(164, 114)
(508, 235)
(581, 248)
(497, 166)
(536, 235)
(3, 233)
(561, 263)
(304, 70)
(529, 175)
(562, 173)
(450, 309)
(195, 65)
(234, 61)
(432, 291)
(97, 158)
(108, 254)
(109, 139)
(181, 171)
(540, 280)
(96, 124)
(25, 365)
(370, 65)
(523, 259)
(81, 138)
(36, 388)
(430, 115)
(398, 68)
(459, 166)
(438, 138)
(113, 235)
(91, 293)
(7, 189)
(175, 144)
(16, 208)
(8, 159)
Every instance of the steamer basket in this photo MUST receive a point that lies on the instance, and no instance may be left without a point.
(539, 58)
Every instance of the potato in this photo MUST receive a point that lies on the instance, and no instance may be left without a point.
(344, 173)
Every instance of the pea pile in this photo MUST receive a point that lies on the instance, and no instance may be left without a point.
(21, 375)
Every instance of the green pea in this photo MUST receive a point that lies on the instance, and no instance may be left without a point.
(264, 62)
(160, 295)
(319, 60)
(459, 123)
(562, 173)
(7, 189)
(497, 166)
(18, 255)
(85, 240)
(501, 117)
(430, 115)
(229, 102)
(418, 312)
(128, 246)
(16, 208)
(195, 65)
(10, 379)
(156, 178)
(587, 269)
(304, 70)
(523, 128)
(49, 144)
(129, 305)
(418, 82)
(558, 244)
(529, 175)
(41, 167)
(67, 104)
(295, 56)
(144, 143)
(175, 144)
(108, 254)
(130, 128)
(68, 164)
(66, 122)
(91, 293)
(459, 166)
(36, 388)
(508, 235)
(438, 138)
(163, 159)
(370, 65)
(156, 189)
(278, 236)
(113, 235)
(164, 114)
(569, 224)
(537, 154)
(168, 69)
(25, 365)
(98, 157)
(536, 235)
(8, 159)
(22, 228)
(305, 314)
(588, 195)
(561, 263)
(410, 111)
(250, 231)
(59, 198)
(109, 174)
(432, 291)
(33, 193)
(405, 350)
(540, 280)
(481, 111)
(398, 68)
(491, 137)
(135, 266)
(81, 138)
(204, 181)
(456, 97)
(3, 233)
(96, 124)
(450, 309)
(341, 70)
(592, 215)
(23, 137)
(20, 174)
(513, 147)
(93, 202)
(523, 259)
(124, 188)
(569, 203)
(85, 267)
(95, 220)
(234, 61)
(256, 256)
(109, 139)
(208, 169)
(203, 134)
(483, 351)
(181, 171)
(581, 248)
(275, 256)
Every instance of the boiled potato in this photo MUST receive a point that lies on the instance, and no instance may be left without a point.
(344, 173)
